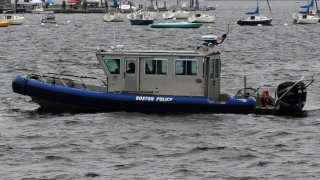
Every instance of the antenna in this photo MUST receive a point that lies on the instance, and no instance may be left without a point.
(223, 37)
(114, 36)
(228, 30)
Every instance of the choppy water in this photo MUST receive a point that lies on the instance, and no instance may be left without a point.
(120, 145)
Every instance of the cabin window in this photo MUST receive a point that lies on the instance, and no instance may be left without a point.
(131, 66)
(156, 66)
(26, 1)
(113, 65)
(217, 68)
(186, 67)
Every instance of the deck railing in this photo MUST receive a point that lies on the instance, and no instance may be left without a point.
(64, 78)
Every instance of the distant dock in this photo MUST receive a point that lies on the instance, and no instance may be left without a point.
(99, 9)
(68, 10)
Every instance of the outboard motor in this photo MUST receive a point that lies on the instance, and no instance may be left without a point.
(292, 96)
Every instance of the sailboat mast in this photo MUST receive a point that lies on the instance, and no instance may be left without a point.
(315, 1)
(258, 6)
(269, 7)
(15, 6)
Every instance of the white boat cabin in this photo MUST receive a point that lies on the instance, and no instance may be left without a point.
(177, 73)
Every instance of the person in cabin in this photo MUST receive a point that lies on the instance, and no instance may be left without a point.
(148, 70)
(131, 68)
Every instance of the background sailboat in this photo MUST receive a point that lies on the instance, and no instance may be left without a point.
(115, 14)
(177, 14)
(254, 17)
(141, 17)
(308, 14)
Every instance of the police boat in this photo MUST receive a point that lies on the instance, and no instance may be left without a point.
(157, 81)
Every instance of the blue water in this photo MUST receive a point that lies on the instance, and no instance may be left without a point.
(120, 145)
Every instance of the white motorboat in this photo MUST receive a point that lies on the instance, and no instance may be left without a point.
(15, 19)
(201, 18)
(38, 9)
(307, 15)
(127, 7)
(113, 17)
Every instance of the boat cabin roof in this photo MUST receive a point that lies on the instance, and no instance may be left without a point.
(197, 53)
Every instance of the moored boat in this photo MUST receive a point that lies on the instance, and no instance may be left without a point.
(157, 81)
(176, 14)
(201, 18)
(176, 25)
(113, 17)
(4, 23)
(310, 18)
(308, 14)
(38, 9)
(255, 19)
(13, 19)
(141, 17)
(49, 18)
(181, 14)
(168, 15)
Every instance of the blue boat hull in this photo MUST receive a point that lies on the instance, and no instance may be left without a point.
(59, 98)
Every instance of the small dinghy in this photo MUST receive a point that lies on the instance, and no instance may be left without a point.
(176, 25)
